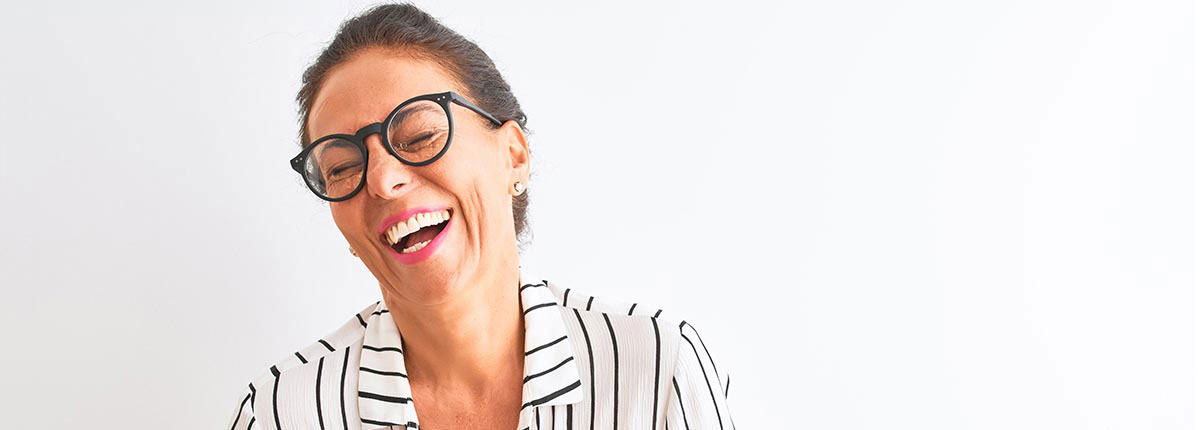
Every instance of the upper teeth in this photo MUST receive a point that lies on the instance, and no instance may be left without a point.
(414, 223)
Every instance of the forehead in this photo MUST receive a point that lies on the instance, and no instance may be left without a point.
(365, 88)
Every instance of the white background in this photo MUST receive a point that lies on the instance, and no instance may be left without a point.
(882, 215)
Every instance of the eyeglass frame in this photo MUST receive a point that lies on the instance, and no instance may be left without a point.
(358, 139)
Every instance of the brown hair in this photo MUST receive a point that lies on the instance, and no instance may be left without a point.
(405, 28)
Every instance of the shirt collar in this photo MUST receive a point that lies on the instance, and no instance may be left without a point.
(552, 376)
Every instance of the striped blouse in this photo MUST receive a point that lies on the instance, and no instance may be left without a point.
(588, 365)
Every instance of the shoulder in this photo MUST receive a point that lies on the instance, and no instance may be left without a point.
(581, 300)
(652, 353)
(641, 354)
(334, 342)
(603, 326)
(275, 385)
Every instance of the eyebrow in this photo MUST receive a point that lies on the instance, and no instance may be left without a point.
(416, 107)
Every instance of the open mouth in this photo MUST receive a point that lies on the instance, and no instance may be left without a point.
(417, 231)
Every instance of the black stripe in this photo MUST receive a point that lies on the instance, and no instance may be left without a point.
(616, 374)
(320, 368)
(589, 305)
(570, 416)
(537, 418)
(656, 314)
(551, 343)
(591, 367)
(410, 424)
(251, 425)
(523, 287)
(657, 364)
(380, 312)
(241, 408)
(556, 366)
(382, 348)
(342, 392)
(253, 392)
(553, 419)
(710, 359)
(382, 372)
(539, 305)
(381, 397)
(552, 396)
(566, 294)
(631, 308)
(301, 357)
(275, 371)
(706, 380)
(275, 399)
(716, 373)
(327, 345)
(360, 320)
(679, 396)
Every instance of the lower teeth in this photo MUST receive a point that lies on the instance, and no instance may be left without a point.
(416, 247)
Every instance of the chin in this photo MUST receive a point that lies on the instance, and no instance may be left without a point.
(436, 280)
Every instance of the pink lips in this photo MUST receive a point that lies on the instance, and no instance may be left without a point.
(428, 250)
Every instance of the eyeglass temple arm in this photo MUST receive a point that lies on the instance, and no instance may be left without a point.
(464, 103)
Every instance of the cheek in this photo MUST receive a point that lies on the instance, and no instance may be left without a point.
(346, 215)
(474, 165)
(476, 175)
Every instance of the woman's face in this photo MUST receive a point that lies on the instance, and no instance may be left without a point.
(473, 181)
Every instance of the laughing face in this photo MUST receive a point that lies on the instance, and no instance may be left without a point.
(425, 232)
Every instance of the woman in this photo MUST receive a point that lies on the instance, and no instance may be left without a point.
(419, 145)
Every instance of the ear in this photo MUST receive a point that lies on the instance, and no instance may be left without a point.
(518, 152)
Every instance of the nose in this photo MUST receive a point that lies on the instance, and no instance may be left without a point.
(387, 177)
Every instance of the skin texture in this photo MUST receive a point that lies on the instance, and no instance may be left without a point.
(459, 311)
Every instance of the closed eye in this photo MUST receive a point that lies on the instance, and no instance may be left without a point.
(342, 169)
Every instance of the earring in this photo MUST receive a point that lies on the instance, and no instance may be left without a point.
(352, 251)
(518, 188)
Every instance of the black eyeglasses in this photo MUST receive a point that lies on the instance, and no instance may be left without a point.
(417, 132)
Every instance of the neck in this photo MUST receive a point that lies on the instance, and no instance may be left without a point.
(470, 341)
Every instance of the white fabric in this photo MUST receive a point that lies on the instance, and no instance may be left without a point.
(588, 365)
